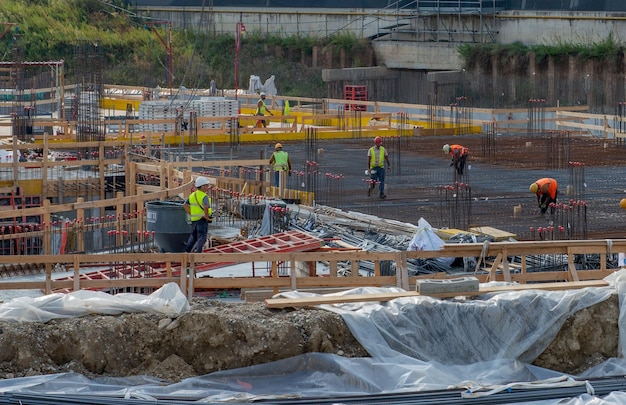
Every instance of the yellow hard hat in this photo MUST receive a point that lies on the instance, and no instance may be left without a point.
(446, 148)
(622, 204)
(533, 188)
(278, 146)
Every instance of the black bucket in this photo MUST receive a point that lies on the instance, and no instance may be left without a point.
(168, 220)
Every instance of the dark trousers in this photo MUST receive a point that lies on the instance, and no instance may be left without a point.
(277, 177)
(459, 164)
(198, 235)
(378, 176)
(545, 201)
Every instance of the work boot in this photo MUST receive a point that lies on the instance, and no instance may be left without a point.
(382, 195)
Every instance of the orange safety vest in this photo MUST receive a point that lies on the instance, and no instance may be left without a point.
(547, 186)
(462, 150)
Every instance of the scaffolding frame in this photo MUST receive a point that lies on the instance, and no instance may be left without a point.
(463, 21)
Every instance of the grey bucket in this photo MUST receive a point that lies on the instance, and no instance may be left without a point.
(168, 220)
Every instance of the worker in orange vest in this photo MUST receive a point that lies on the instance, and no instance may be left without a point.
(459, 156)
(546, 190)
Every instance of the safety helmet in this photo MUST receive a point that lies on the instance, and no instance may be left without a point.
(378, 140)
(278, 146)
(622, 204)
(533, 188)
(262, 94)
(201, 181)
(446, 148)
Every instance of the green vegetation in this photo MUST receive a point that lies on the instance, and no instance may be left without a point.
(481, 54)
(134, 54)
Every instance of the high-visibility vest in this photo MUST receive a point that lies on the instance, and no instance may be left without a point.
(547, 186)
(260, 110)
(196, 209)
(377, 159)
(281, 160)
(462, 150)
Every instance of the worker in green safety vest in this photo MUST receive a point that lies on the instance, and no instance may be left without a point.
(281, 162)
(198, 207)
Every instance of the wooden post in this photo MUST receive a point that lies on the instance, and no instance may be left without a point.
(182, 283)
(292, 272)
(76, 272)
(101, 168)
(403, 270)
(571, 266)
(191, 274)
(80, 219)
(119, 215)
(47, 231)
(505, 266)
(48, 287)
(354, 268)
(44, 166)
(274, 274)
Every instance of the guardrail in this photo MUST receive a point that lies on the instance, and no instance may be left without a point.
(142, 272)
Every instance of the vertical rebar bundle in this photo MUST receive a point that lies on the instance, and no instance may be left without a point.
(558, 146)
(536, 116)
(577, 183)
(456, 205)
(461, 116)
(279, 219)
(357, 125)
(311, 166)
(89, 59)
(488, 141)
(567, 221)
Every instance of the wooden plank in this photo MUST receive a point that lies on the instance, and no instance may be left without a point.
(497, 234)
(310, 301)
(571, 266)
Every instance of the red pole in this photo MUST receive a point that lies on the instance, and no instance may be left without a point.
(239, 29)
(170, 56)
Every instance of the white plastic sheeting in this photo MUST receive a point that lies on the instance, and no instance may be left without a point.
(425, 238)
(167, 300)
(415, 343)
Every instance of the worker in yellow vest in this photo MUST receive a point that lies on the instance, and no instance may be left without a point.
(261, 109)
(198, 207)
(281, 162)
(377, 156)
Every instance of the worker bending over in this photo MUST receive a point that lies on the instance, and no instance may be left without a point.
(546, 191)
(459, 156)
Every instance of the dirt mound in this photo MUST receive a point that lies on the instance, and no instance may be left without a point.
(217, 336)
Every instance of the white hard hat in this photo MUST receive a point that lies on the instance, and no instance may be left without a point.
(201, 181)
(262, 93)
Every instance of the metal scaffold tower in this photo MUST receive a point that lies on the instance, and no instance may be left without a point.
(88, 92)
(471, 21)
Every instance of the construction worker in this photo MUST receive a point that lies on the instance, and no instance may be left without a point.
(377, 156)
(198, 206)
(459, 156)
(280, 162)
(546, 191)
(261, 109)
